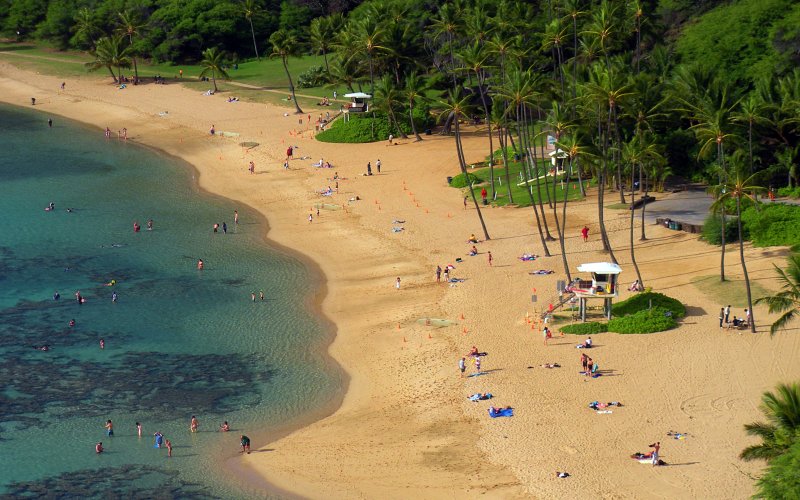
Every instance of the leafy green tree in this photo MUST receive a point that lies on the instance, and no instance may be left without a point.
(321, 38)
(85, 26)
(782, 428)
(213, 62)
(24, 16)
(782, 480)
(110, 53)
(414, 93)
(388, 98)
(284, 46)
(786, 301)
(56, 25)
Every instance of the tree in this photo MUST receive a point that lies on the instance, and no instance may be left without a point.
(387, 98)
(781, 430)
(782, 482)
(414, 93)
(109, 53)
(457, 107)
(85, 25)
(285, 45)
(213, 62)
(250, 8)
(130, 25)
(737, 189)
(321, 38)
(787, 301)
(474, 59)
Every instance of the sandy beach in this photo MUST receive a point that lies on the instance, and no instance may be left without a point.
(405, 425)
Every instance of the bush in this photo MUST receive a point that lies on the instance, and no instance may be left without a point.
(789, 192)
(641, 302)
(460, 182)
(315, 76)
(588, 328)
(652, 320)
(357, 130)
(772, 225)
(712, 230)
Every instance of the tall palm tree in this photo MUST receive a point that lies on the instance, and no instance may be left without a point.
(448, 24)
(457, 107)
(110, 53)
(573, 11)
(782, 428)
(474, 59)
(787, 301)
(737, 189)
(369, 36)
(131, 25)
(388, 98)
(321, 38)
(750, 112)
(250, 9)
(414, 93)
(284, 46)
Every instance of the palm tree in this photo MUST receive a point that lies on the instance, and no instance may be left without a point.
(448, 24)
(388, 98)
(130, 26)
(474, 59)
(750, 111)
(369, 35)
(321, 37)
(250, 9)
(109, 53)
(787, 301)
(457, 106)
(414, 93)
(213, 62)
(285, 45)
(738, 189)
(85, 25)
(782, 428)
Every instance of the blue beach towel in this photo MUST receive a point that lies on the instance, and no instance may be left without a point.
(508, 412)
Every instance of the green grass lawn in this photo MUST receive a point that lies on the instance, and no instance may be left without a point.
(728, 292)
(520, 193)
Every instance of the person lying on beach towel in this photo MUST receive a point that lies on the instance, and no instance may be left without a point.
(481, 397)
(398, 229)
(551, 365)
(542, 271)
(596, 405)
(501, 412)
(527, 257)
(457, 280)
(398, 221)
(678, 435)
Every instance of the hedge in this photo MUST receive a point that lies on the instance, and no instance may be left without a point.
(652, 320)
(460, 182)
(588, 328)
(642, 301)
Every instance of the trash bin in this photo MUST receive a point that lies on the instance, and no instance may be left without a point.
(678, 226)
(449, 180)
(428, 131)
(672, 225)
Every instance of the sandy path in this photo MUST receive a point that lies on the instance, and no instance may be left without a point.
(405, 426)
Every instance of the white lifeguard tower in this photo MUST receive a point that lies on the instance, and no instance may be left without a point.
(602, 286)
(358, 104)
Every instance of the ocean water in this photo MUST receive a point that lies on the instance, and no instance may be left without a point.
(178, 341)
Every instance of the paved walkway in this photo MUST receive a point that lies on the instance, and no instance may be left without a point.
(690, 207)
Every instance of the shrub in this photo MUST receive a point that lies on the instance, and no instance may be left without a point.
(642, 301)
(588, 328)
(772, 225)
(357, 130)
(315, 76)
(460, 182)
(789, 192)
(712, 229)
(652, 320)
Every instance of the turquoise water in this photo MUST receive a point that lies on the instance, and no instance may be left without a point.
(178, 341)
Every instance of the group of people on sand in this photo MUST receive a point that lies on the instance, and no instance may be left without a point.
(377, 167)
(725, 320)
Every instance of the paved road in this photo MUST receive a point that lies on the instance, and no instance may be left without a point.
(690, 207)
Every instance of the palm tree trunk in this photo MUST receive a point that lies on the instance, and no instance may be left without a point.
(633, 212)
(396, 123)
(520, 119)
(618, 141)
(531, 151)
(561, 232)
(500, 138)
(722, 230)
(463, 164)
(255, 46)
(644, 204)
(413, 125)
(325, 56)
(214, 79)
(111, 70)
(488, 124)
(744, 267)
(291, 86)
(580, 179)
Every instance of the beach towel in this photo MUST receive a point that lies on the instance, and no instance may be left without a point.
(527, 257)
(398, 221)
(457, 280)
(480, 397)
(506, 412)
(397, 229)
(541, 271)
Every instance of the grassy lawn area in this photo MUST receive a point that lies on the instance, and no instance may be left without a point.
(728, 292)
(520, 192)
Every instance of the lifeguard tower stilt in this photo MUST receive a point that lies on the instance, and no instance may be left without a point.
(602, 286)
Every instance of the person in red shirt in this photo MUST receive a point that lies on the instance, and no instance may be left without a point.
(585, 233)
(484, 194)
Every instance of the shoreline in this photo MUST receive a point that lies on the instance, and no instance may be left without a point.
(404, 425)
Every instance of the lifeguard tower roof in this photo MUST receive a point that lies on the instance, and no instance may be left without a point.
(600, 268)
(358, 95)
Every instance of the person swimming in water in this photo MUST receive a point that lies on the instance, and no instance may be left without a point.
(200, 264)
(224, 427)
(150, 224)
(98, 448)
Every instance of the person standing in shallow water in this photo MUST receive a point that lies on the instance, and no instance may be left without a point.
(109, 428)
(194, 425)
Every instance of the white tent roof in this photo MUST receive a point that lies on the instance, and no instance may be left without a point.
(600, 268)
(560, 152)
(358, 95)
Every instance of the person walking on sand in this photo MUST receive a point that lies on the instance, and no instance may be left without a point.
(727, 313)
(589, 366)
(397, 283)
(378, 165)
(465, 203)
(462, 366)
(484, 195)
(584, 361)
(438, 274)
(310, 218)
(721, 316)
(585, 233)
(212, 130)
(656, 447)
(391, 139)
(252, 167)
(490, 258)
(194, 424)
(477, 365)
